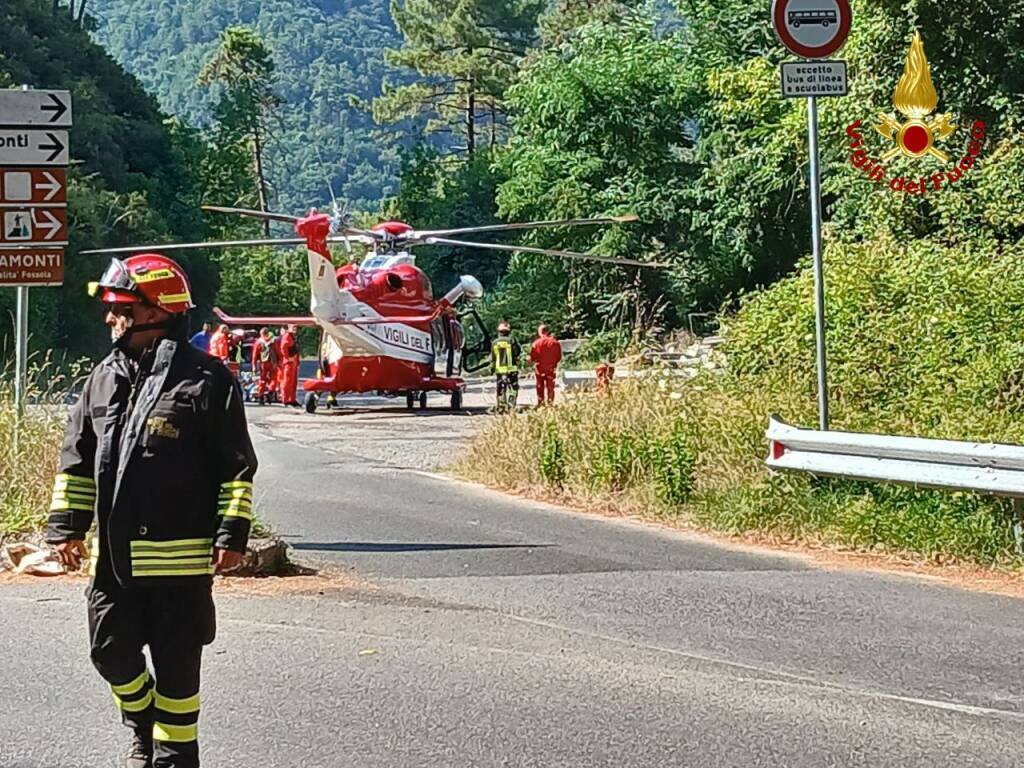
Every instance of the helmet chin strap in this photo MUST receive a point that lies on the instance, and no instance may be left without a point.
(121, 342)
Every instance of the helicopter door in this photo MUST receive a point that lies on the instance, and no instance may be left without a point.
(440, 339)
(446, 332)
(330, 353)
(477, 356)
(456, 342)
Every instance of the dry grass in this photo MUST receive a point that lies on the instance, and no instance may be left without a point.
(602, 461)
(29, 448)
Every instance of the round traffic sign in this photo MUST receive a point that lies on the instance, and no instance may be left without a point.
(814, 29)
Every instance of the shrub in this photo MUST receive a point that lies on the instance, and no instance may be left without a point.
(923, 340)
(552, 459)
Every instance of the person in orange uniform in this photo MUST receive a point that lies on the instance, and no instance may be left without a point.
(220, 345)
(289, 362)
(545, 354)
(264, 365)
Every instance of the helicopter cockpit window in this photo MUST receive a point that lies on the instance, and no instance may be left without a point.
(428, 289)
(375, 262)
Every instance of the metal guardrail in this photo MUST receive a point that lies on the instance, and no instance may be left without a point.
(953, 465)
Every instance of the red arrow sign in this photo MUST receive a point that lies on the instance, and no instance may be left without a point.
(32, 186)
(33, 226)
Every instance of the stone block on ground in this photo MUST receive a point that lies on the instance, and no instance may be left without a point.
(264, 557)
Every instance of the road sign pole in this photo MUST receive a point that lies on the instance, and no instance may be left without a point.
(819, 275)
(814, 77)
(20, 349)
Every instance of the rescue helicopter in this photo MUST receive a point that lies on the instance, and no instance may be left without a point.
(383, 330)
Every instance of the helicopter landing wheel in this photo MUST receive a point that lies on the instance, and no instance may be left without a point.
(456, 399)
(423, 399)
(410, 400)
(312, 401)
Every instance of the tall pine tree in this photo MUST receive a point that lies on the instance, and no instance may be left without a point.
(243, 65)
(467, 52)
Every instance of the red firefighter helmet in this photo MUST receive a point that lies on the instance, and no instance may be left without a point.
(148, 278)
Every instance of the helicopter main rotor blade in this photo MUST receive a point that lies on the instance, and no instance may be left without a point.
(526, 225)
(305, 321)
(249, 212)
(274, 242)
(550, 252)
(194, 246)
(371, 237)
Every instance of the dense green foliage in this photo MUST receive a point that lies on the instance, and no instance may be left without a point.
(582, 147)
(923, 300)
(323, 51)
(131, 180)
(432, 199)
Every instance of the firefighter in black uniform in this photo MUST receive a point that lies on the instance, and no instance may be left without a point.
(158, 451)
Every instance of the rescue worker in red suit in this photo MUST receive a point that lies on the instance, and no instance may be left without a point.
(220, 343)
(545, 354)
(157, 453)
(280, 359)
(264, 365)
(289, 362)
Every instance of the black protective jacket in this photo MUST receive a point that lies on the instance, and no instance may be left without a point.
(159, 452)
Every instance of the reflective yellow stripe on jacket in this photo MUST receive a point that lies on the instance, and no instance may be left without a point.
(73, 492)
(235, 499)
(177, 557)
(501, 354)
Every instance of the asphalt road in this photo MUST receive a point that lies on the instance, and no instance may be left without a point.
(488, 631)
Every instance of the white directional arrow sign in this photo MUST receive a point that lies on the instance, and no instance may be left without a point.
(33, 226)
(50, 109)
(29, 147)
(49, 186)
(48, 224)
(20, 187)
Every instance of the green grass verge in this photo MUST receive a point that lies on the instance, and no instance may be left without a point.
(924, 340)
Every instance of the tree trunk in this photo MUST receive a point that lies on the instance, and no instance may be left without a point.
(56, 6)
(261, 179)
(81, 12)
(494, 126)
(471, 121)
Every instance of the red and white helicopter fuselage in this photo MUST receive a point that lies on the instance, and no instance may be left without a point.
(383, 330)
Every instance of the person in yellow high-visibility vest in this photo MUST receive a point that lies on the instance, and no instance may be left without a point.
(505, 352)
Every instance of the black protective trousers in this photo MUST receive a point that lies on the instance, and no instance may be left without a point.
(175, 622)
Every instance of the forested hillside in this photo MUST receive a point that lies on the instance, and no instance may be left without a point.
(323, 51)
(130, 179)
